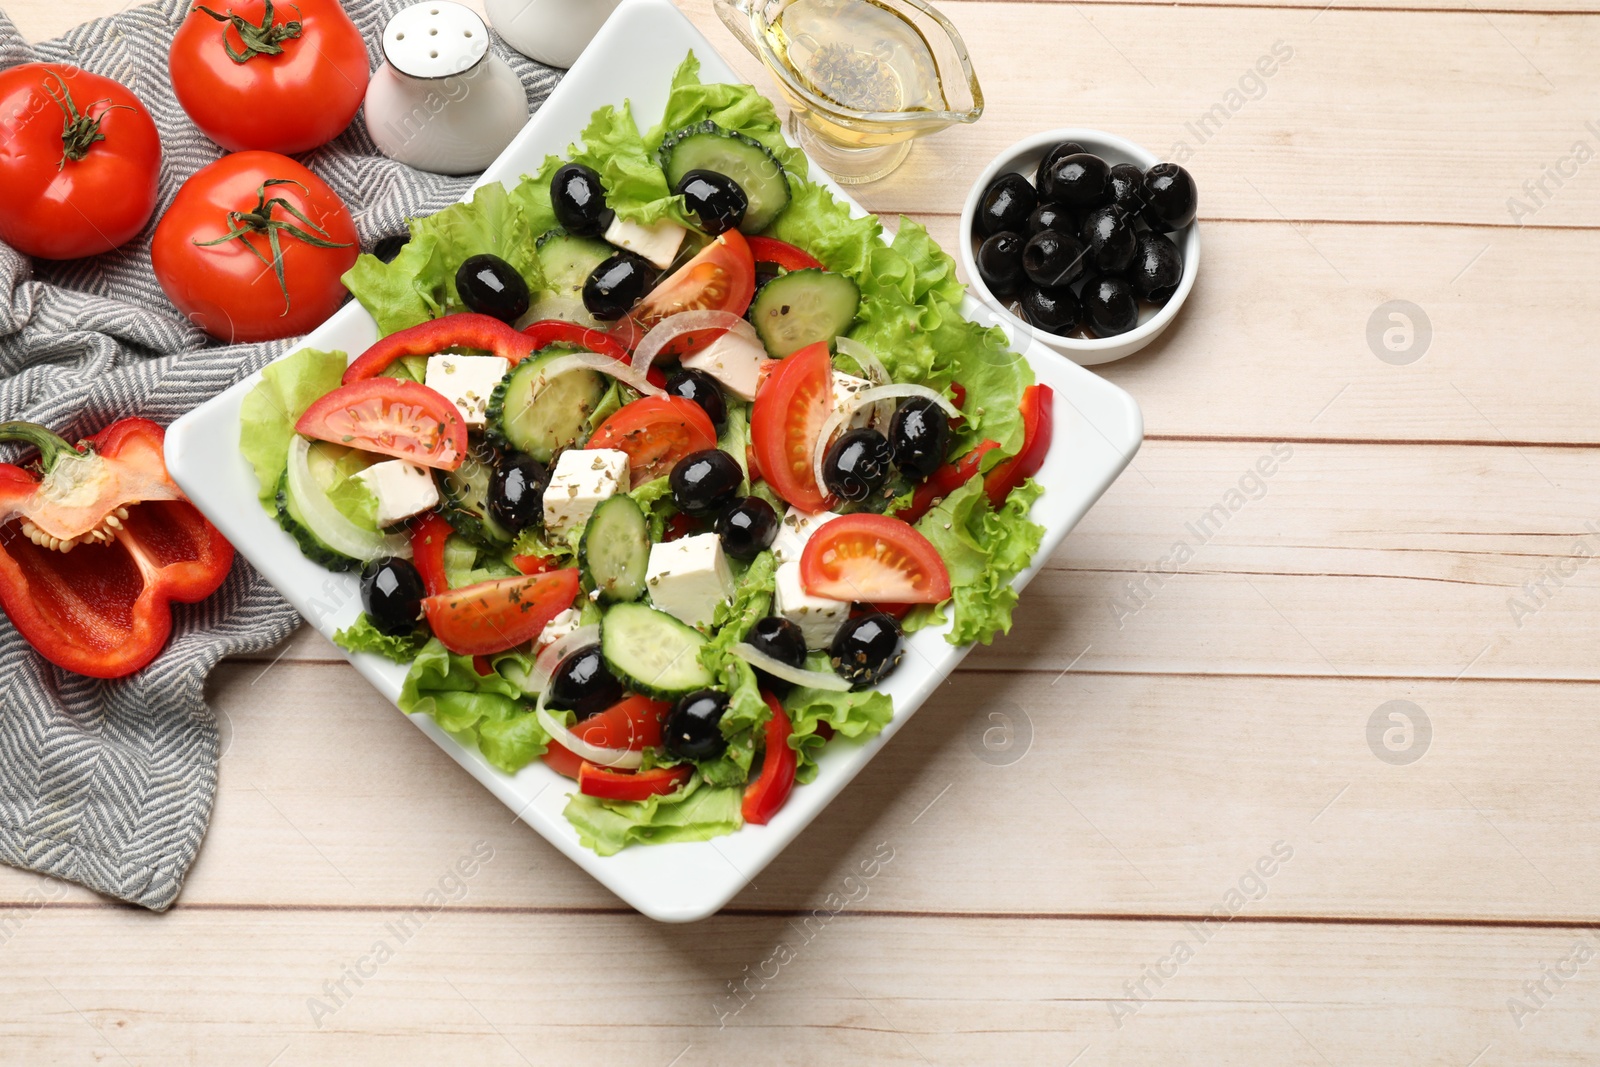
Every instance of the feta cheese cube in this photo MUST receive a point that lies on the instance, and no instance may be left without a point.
(658, 243)
(402, 489)
(563, 624)
(583, 477)
(794, 531)
(467, 381)
(818, 617)
(845, 387)
(689, 577)
(734, 361)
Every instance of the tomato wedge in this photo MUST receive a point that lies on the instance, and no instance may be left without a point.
(655, 432)
(596, 781)
(492, 616)
(721, 277)
(392, 418)
(1038, 429)
(428, 535)
(873, 558)
(764, 796)
(782, 254)
(465, 329)
(632, 723)
(944, 481)
(791, 406)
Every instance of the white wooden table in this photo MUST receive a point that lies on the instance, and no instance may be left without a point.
(1179, 728)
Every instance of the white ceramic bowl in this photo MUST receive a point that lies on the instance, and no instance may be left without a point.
(1023, 157)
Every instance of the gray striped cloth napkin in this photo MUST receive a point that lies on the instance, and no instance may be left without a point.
(110, 784)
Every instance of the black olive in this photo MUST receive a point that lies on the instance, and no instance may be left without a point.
(583, 683)
(1127, 188)
(867, 648)
(490, 286)
(715, 199)
(579, 200)
(618, 283)
(1109, 236)
(1052, 217)
(1000, 262)
(1157, 268)
(1109, 307)
(857, 464)
(1080, 180)
(1053, 259)
(391, 595)
(783, 641)
(1171, 197)
(748, 528)
(1052, 310)
(1005, 205)
(919, 436)
(516, 491)
(1041, 175)
(704, 390)
(693, 728)
(705, 482)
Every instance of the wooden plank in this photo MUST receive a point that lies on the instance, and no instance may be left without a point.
(500, 989)
(1109, 795)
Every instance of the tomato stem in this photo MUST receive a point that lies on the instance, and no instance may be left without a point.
(261, 221)
(78, 130)
(263, 40)
(52, 446)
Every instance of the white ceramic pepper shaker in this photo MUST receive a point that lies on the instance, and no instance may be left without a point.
(442, 101)
(554, 32)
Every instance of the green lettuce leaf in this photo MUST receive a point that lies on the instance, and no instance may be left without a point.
(655, 500)
(697, 812)
(855, 714)
(733, 107)
(362, 636)
(351, 496)
(269, 411)
(467, 564)
(984, 550)
(486, 710)
(747, 712)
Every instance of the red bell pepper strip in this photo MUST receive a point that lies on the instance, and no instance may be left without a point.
(599, 782)
(680, 525)
(764, 796)
(781, 254)
(463, 330)
(428, 535)
(482, 665)
(1038, 429)
(632, 723)
(613, 344)
(97, 542)
(944, 481)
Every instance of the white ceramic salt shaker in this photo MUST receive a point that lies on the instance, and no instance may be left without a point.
(442, 101)
(554, 32)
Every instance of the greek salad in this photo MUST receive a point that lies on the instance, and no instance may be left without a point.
(660, 456)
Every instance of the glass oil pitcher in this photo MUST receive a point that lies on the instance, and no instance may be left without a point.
(861, 77)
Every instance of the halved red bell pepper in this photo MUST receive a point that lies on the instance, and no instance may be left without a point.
(764, 796)
(632, 723)
(599, 782)
(781, 254)
(429, 532)
(944, 481)
(96, 541)
(463, 330)
(1038, 429)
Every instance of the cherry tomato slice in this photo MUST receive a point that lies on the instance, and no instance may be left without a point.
(530, 564)
(791, 406)
(782, 254)
(428, 535)
(392, 418)
(873, 558)
(633, 723)
(492, 616)
(764, 796)
(944, 481)
(1038, 429)
(596, 781)
(721, 277)
(655, 432)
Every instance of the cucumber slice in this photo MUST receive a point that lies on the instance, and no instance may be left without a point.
(310, 547)
(464, 502)
(543, 423)
(802, 307)
(567, 261)
(615, 550)
(308, 505)
(707, 146)
(652, 652)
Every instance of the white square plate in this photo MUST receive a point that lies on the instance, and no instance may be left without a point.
(1098, 429)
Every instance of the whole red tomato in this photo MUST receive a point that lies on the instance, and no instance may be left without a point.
(253, 246)
(79, 161)
(284, 79)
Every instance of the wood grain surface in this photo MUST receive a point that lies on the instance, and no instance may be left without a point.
(1203, 840)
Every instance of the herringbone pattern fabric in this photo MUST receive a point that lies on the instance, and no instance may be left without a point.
(110, 783)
